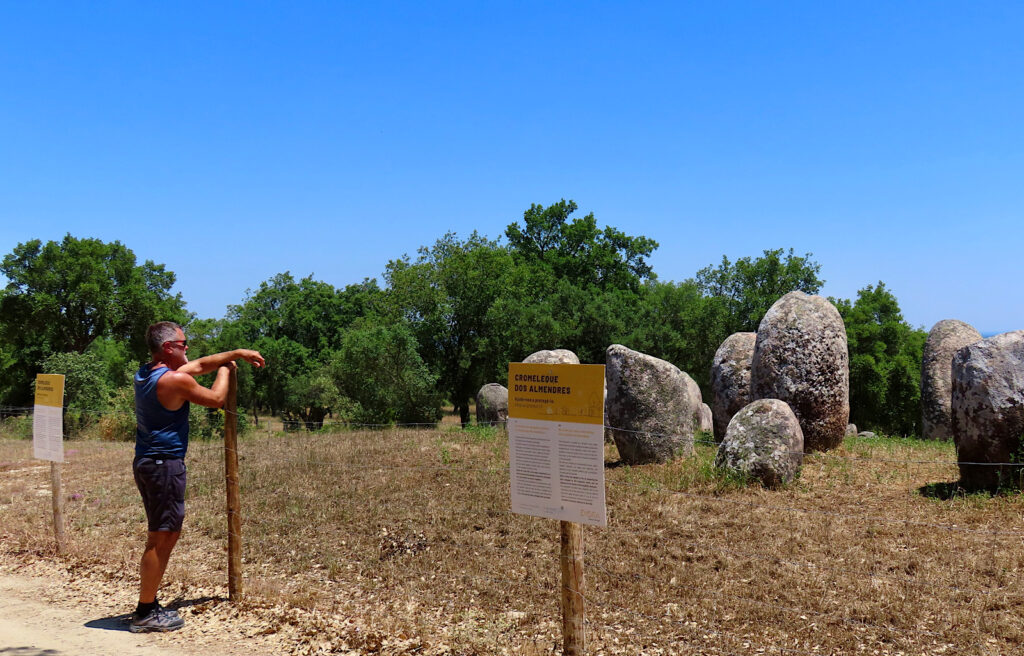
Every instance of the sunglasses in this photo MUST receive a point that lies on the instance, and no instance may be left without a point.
(183, 342)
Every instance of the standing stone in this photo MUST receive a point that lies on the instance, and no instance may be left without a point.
(730, 379)
(557, 356)
(764, 441)
(945, 339)
(801, 357)
(851, 430)
(492, 405)
(707, 422)
(651, 407)
(988, 410)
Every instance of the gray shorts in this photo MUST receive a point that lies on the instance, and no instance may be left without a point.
(162, 486)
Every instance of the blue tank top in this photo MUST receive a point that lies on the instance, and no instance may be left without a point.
(159, 432)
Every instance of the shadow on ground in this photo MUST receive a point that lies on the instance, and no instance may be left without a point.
(120, 622)
(942, 491)
(29, 651)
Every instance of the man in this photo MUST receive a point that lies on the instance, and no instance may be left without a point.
(164, 387)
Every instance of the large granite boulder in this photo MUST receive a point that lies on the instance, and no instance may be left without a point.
(988, 411)
(944, 340)
(557, 356)
(492, 405)
(730, 379)
(706, 423)
(851, 430)
(651, 407)
(801, 357)
(763, 441)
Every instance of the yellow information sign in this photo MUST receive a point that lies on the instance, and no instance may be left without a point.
(556, 392)
(50, 390)
(556, 441)
(48, 418)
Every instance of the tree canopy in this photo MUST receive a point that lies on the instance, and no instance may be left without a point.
(444, 323)
(885, 362)
(578, 250)
(63, 296)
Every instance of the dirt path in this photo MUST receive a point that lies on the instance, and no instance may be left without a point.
(32, 626)
(45, 614)
(34, 622)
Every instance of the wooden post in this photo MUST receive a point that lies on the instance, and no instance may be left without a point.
(572, 588)
(234, 499)
(58, 506)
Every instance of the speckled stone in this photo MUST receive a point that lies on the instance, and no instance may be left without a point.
(730, 379)
(944, 340)
(706, 423)
(652, 407)
(492, 404)
(988, 410)
(556, 356)
(801, 357)
(764, 441)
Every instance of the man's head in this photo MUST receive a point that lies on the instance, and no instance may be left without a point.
(167, 344)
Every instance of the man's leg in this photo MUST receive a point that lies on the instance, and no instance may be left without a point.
(154, 561)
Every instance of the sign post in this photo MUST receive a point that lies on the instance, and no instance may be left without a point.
(48, 441)
(556, 460)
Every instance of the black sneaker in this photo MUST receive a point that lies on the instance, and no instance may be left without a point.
(159, 619)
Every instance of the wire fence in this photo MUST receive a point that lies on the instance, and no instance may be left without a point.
(683, 567)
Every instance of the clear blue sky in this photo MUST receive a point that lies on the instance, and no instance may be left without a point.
(231, 142)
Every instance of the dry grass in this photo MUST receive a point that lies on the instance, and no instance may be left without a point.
(407, 532)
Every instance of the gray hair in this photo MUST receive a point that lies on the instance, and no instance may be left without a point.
(160, 332)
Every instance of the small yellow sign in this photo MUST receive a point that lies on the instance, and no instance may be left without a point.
(50, 390)
(556, 392)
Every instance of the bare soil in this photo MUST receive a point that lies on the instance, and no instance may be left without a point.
(400, 542)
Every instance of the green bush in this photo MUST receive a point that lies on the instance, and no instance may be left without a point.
(19, 428)
(379, 370)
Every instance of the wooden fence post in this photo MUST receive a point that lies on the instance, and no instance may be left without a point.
(58, 506)
(572, 589)
(234, 499)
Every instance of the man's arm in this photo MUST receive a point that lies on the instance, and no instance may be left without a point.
(208, 363)
(175, 387)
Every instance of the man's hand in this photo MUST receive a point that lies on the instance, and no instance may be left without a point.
(252, 357)
(230, 366)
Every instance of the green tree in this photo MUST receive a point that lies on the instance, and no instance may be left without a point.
(677, 323)
(685, 323)
(583, 284)
(885, 362)
(748, 287)
(309, 312)
(63, 296)
(377, 367)
(578, 250)
(296, 325)
(310, 397)
(87, 391)
(447, 297)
